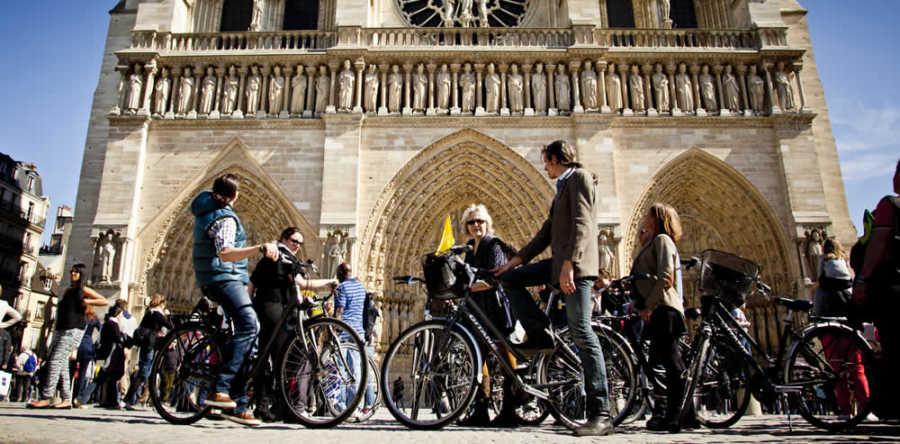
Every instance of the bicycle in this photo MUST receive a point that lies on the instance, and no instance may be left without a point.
(724, 373)
(314, 370)
(444, 360)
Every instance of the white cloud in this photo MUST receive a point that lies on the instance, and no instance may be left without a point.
(868, 139)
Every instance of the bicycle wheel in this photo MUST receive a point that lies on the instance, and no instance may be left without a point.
(533, 411)
(373, 395)
(828, 366)
(323, 373)
(723, 392)
(183, 373)
(699, 355)
(562, 376)
(428, 377)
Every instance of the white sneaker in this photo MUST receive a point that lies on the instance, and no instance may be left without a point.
(872, 418)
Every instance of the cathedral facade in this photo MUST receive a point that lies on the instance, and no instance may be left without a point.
(366, 123)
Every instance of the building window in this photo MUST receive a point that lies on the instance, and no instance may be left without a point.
(301, 14)
(30, 210)
(39, 312)
(29, 183)
(27, 243)
(683, 14)
(236, 15)
(23, 271)
(620, 13)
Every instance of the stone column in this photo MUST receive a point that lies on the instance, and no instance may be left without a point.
(220, 74)
(770, 90)
(626, 97)
(526, 73)
(430, 111)
(717, 69)
(698, 105)
(360, 65)
(176, 77)
(123, 74)
(286, 94)
(407, 104)
(310, 90)
(383, 68)
(574, 67)
(198, 78)
(239, 109)
(601, 87)
(549, 70)
(742, 82)
(673, 98)
(262, 112)
(148, 88)
(797, 67)
(333, 67)
(652, 109)
(454, 90)
(479, 89)
(504, 107)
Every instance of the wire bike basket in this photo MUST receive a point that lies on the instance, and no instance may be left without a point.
(727, 275)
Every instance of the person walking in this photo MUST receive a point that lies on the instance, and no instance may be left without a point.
(66, 337)
(219, 258)
(26, 364)
(349, 302)
(571, 233)
(154, 322)
(112, 355)
(85, 358)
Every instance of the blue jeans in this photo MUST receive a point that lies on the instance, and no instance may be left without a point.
(370, 387)
(233, 297)
(143, 373)
(353, 357)
(578, 312)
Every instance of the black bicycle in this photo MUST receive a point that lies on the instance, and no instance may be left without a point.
(321, 371)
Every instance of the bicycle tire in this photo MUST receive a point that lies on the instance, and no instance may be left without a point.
(443, 359)
(702, 344)
(565, 380)
(327, 375)
(178, 396)
(812, 365)
(722, 394)
(374, 377)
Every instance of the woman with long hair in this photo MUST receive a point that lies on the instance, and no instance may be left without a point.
(67, 336)
(154, 321)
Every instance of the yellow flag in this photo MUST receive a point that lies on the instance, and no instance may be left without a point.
(447, 240)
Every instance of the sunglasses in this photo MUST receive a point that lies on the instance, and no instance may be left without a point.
(476, 221)
(295, 242)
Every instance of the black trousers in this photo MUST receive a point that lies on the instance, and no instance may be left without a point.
(665, 329)
(269, 313)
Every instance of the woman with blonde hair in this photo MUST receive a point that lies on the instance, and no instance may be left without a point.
(154, 321)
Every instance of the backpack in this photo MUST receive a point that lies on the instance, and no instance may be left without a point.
(30, 364)
(371, 313)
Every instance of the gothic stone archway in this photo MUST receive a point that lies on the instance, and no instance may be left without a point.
(464, 168)
(720, 209)
(264, 212)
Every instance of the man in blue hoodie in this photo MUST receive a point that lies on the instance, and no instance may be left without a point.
(220, 267)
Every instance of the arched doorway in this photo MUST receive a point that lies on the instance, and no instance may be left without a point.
(720, 209)
(264, 212)
(406, 222)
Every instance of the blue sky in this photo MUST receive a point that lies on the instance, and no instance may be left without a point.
(54, 50)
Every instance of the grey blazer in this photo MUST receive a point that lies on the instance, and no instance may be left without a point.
(570, 230)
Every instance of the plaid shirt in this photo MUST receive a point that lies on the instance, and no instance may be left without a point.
(222, 232)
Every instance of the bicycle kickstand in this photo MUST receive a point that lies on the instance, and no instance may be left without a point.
(787, 407)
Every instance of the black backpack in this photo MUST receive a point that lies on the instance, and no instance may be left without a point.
(371, 313)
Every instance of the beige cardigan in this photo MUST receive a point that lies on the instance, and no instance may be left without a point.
(658, 259)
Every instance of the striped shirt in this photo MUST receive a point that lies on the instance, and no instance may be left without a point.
(351, 296)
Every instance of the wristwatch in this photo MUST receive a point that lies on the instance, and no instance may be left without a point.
(262, 249)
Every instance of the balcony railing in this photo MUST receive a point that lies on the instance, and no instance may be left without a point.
(232, 41)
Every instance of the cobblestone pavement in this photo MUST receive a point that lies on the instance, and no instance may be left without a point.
(21, 425)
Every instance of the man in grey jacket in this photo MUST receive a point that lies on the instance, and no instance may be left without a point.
(571, 233)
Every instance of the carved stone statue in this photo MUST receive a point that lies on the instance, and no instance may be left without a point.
(514, 88)
(208, 91)
(106, 254)
(684, 93)
(184, 92)
(665, 11)
(589, 87)
(298, 91)
(370, 86)
(563, 95)
(443, 84)
(756, 89)
(465, 16)
(254, 83)
(276, 91)
(539, 88)
(483, 13)
(135, 84)
(420, 88)
(783, 88)
(395, 89)
(347, 81)
(660, 88)
(256, 17)
(815, 240)
(708, 89)
(636, 88)
(491, 90)
(230, 91)
(447, 13)
(613, 89)
(334, 253)
(732, 91)
(322, 86)
(161, 92)
(467, 85)
(607, 257)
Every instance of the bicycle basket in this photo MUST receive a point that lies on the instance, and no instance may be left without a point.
(446, 275)
(728, 276)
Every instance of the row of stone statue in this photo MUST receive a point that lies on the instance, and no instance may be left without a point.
(458, 89)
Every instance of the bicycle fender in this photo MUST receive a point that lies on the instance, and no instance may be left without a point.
(479, 361)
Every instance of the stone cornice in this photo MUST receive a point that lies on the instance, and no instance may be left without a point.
(242, 124)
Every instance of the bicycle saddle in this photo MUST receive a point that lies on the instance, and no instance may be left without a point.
(795, 304)
(692, 313)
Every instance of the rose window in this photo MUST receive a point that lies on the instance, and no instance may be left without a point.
(464, 13)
